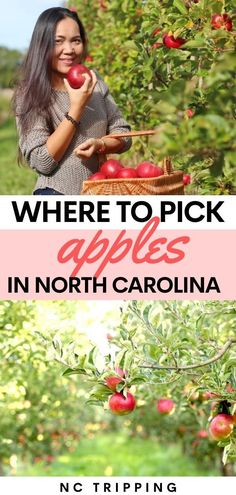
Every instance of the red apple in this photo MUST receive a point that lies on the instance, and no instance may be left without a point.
(89, 58)
(189, 113)
(165, 406)
(171, 42)
(112, 382)
(202, 434)
(75, 75)
(156, 45)
(221, 426)
(147, 169)
(97, 176)
(121, 405)
(186, 179)
(221, 21)
(156, 31)
(102, 4)
(127, 173)
(209, 395)
(111, 168)
(229, 388)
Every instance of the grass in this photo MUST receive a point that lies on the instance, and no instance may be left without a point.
(118, 455)
(14, 179)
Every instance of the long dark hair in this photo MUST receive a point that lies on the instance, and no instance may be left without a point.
(33, 92)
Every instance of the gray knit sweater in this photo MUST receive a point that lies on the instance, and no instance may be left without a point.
(101, 116)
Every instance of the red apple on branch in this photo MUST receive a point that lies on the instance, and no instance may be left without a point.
(121, 405)
(171, 42)
(221, 21)
(202, 434)
(186, 179)
(112, 381)
(165, 406)
(221, 426)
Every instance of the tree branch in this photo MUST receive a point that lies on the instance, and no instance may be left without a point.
(215, 358)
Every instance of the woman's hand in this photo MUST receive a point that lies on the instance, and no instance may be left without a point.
(88, 148)
(79, 97)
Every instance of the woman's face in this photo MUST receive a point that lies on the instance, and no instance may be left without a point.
(68, 46)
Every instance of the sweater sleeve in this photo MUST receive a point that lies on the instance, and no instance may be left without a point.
(34, 149)
(116, 123)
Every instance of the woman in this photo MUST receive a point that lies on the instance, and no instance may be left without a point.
(60, 128)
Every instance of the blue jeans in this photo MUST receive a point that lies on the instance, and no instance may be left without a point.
(47, 191)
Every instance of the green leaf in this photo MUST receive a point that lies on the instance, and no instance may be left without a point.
(137, 380)
(57, 345)
(196, 43)
(94, 402)
(76, 371)
(128, 359)
(226, 453)
(217, 166)
(180, 5)
(120, 358)
(92, 355)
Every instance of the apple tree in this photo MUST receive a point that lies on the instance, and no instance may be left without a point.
(171, 66)
(41, 412)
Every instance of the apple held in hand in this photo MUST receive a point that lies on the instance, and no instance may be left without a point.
(221, 426)
(171, 42)
(110, 168)
(75, 76)
(121, 405)
(165, 406)
(147, 169)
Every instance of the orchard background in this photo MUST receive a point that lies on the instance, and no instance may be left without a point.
(57, 358)
(187, 93)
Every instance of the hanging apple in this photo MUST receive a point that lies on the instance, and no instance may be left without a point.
(171, 42)
(186, 179)
(121, 405)
(221, 426)
(221, 21)
(165, 406)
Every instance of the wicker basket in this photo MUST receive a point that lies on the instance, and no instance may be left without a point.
(169, 183)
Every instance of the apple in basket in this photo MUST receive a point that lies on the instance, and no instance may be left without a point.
(97, 176)
(127, 173)
(75, 76)
(147, 170)
(110, 168)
